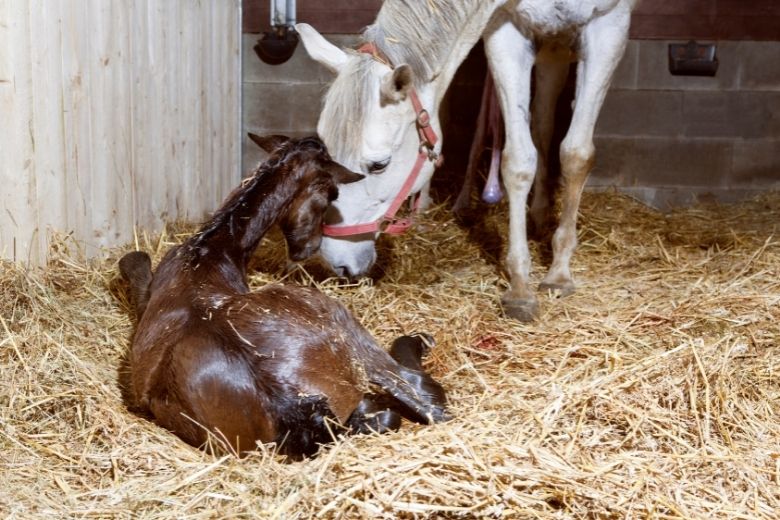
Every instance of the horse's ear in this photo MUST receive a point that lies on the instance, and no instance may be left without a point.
(395, 85)
(342, 175)
(269, 143)
(320, 49)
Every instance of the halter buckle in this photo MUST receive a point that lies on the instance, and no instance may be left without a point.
(423, 119)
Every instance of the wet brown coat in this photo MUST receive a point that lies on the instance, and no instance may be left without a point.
(277, 364)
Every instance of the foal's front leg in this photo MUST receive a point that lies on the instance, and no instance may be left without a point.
(601, 46)
(511, 57)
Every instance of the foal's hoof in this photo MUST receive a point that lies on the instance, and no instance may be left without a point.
(426, 339)
(438, 414)
(520, 308)
(384, 421)
(559, 289)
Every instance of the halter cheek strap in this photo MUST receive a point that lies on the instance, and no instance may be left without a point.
(388, 223)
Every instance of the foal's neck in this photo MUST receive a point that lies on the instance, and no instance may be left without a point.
(227, 241)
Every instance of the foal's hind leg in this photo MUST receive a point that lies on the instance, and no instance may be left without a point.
(136, 268)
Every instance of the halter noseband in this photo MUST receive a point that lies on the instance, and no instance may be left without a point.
(388, 223)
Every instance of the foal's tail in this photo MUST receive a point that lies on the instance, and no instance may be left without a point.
(136, 268)
(418, 396)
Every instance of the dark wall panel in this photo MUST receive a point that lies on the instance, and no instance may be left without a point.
(653, 19)
(332, 16)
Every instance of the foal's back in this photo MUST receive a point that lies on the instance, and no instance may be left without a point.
(272, 365)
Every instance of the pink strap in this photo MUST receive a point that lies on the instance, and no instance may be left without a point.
(427, 135)
(390, 224)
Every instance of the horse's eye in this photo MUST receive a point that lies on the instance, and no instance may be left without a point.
(378, 166)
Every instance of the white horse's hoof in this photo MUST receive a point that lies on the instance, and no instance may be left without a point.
(524, 308)
(560, 289)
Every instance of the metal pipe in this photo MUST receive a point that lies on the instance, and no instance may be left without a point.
(283, 13)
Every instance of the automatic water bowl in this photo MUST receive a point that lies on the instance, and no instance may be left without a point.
(278, 45)
(692, 59)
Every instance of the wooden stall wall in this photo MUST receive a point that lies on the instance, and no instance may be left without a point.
(114, 114)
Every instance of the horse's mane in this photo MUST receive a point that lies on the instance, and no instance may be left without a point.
(263, 178)
(419, 32)
(416, 32)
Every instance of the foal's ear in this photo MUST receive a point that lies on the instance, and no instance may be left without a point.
(342, 175)
(269, 143)
(395, 85)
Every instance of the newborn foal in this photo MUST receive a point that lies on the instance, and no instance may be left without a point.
(285, 363)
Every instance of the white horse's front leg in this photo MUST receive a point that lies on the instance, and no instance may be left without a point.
(424, 201)
(602, 43)
(511, 58)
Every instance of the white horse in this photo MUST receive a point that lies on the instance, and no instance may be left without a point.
(370, 121)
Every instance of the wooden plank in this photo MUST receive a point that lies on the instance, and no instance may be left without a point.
(47, 119)
(188, 153)
(76, 99)
(223, 102)
(115, 113)
(109, 144)
(144, 202)
(202, 181)
(19, 239)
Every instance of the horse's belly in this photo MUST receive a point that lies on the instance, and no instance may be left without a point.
(546, 17)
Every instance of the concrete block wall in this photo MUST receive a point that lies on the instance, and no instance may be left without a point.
(673, 139)
(666, 139)
(282, 99)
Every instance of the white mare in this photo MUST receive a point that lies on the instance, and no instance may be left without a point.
(368, 121)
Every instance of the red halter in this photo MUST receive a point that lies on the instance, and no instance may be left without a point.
(387, 223)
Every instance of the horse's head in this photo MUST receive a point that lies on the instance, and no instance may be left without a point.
(318, 178)
(369, 124)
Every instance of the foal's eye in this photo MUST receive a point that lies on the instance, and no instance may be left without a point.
(378, 166)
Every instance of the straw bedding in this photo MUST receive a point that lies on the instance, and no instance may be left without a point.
(651, 392)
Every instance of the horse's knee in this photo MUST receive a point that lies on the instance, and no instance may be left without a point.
(577, 160)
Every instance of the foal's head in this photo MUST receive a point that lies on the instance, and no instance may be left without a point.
(318, 177)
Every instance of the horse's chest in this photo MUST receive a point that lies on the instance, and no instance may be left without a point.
(557, 17)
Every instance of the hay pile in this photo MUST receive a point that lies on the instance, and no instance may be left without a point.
(654, 391)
